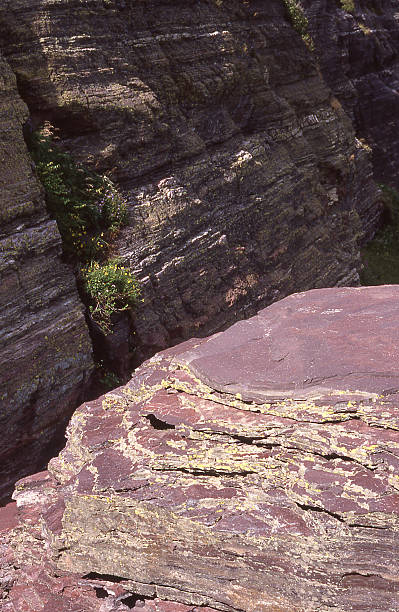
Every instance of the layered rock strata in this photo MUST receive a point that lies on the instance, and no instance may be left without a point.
(358, 53)
(256, 470)
(45, 350)
(244, 178)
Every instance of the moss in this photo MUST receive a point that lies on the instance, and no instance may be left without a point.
(89, 212)
(381, 255)
(110, 288)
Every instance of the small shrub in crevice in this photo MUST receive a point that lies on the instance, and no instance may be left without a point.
(390, 200)
(106, 377)
(381, 255)
(89, 212)
(299, 21)
(110, 288)
(87, 207)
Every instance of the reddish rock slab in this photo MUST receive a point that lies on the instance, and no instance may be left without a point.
(309, 344)
(186, 490)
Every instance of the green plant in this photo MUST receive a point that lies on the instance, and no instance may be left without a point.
(348, 5)
(390, 201)
(299, 21)
(89, 212)
(381, 255)
(110, 288)
(106, 377)
(87, 207)
(365, 29)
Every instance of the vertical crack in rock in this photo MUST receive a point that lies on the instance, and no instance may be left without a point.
(45, 348)
(244, 179)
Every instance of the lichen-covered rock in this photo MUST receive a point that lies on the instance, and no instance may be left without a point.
(357, 45)
(243, 175)
(256, 470)
(45, 349)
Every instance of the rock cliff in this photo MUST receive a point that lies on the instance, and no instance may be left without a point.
(256, 470)
(244, 179)
(45, 349)
(357, 44)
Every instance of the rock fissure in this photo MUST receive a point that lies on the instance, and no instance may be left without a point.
(158, 423)
(310, 508)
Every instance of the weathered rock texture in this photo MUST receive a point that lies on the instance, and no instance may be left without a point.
(244, 178)
(359, 59)
(256, 470)
(45, 350)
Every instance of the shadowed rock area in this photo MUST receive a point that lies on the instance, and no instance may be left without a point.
(357, 45)
(254, 470)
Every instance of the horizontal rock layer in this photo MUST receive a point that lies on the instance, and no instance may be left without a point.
(243, 176)
(45, 350)
(254, 470)
(358, 53)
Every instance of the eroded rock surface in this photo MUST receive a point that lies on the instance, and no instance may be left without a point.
(45, 349)
(243, 175)
(358, 50)
(254, 470)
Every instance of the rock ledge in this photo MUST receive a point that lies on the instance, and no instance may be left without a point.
(254, 470)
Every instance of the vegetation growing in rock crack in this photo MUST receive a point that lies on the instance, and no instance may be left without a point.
(106, 377)
(381, 255)
(348, 5)
(111, 288)
(87, 207)
(89, 212)
(299, 21)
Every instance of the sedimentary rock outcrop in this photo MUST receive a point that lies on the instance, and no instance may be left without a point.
(244, 178)
(254, 470)
(357, 44)
(45, 349)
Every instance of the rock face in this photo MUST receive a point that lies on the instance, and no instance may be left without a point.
(359, 58)
(244, 178)
(45, 349)
(256, 470)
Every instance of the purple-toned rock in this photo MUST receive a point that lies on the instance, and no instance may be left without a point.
(254, 470)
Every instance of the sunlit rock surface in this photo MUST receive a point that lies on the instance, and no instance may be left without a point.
(244, 179)
(254, 470)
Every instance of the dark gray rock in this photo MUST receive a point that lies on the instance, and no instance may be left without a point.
(244, 179)
(359, 59)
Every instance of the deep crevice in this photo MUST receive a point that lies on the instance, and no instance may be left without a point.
(381, 527)
(205, 472)
(131, 600)
(309, 507)
(101, 593)
(157, 423)
(103, 577)
(334, 456)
